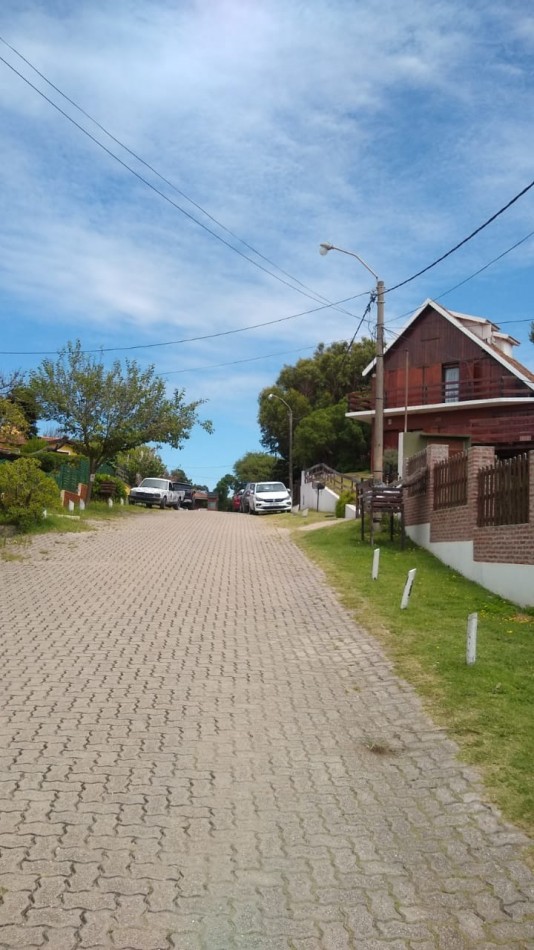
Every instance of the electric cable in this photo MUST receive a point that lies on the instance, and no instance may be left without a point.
(465, 240)
(313, 295)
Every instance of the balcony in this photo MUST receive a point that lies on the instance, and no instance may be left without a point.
(465, 390)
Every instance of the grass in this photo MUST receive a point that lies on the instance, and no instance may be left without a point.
(488, 707)
(65, 522)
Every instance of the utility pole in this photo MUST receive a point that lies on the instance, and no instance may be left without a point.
(378, 429)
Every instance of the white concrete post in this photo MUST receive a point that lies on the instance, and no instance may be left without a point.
(471, 649)
(71, 504)
(376, 563)
(408, 588)
(82, 504)
(110, 502)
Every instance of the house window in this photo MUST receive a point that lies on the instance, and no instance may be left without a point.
(451, 382)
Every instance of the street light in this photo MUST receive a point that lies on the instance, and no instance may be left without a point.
(378, 430)
(290, 414)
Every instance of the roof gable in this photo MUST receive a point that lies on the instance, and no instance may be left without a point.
(475, 329)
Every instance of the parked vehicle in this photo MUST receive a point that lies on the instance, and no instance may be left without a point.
(268, 496)
(244, 504)
(188, 501)
(156, 491)
(236, 500)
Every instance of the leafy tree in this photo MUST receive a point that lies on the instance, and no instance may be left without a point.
(25, 400)
(13, 422)
(326, 435)
(25, 492)
(107, 411)
(140, 462)
(178, 475)
(316, 388)
(255, 467)
(225, 484)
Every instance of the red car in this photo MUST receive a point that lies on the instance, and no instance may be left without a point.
(236, 500)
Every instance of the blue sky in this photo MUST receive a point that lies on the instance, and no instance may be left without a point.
(392, 130)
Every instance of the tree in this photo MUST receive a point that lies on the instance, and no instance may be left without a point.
(13, 423)
(255, 467)
(106, 411)
(224, 485)
(138, 463)
(178, 475)
(316, 388)
(326, 435)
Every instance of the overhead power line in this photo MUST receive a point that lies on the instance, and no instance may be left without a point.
(313, 295)
(465, 240)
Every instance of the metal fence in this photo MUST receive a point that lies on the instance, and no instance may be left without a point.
(503, 492)
(450, 482)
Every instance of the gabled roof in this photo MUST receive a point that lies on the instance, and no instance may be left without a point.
(461, 321)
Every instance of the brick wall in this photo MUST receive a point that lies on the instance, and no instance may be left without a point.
(506, 544)
(510, 544)
(418, 508)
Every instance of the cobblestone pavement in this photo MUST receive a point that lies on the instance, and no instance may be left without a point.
(187, 760)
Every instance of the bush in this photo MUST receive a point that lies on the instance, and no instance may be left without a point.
(120, 487)
(25, 491)
(346, 498)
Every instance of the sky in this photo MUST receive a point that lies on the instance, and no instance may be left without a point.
(232, 138)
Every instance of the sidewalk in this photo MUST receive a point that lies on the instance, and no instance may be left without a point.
(201, 750)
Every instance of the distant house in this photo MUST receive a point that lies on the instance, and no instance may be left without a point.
(450, 378)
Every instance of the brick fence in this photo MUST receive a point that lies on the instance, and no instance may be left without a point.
(485, 554)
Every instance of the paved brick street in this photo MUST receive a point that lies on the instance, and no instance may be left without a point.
(187, 761)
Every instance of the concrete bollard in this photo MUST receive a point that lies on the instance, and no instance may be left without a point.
(471, 646)
(408, 588)
(376, 563)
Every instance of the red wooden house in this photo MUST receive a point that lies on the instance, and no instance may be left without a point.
(451, 378)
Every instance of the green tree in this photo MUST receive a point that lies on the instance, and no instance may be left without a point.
(13, 422)
(225, 484)
(312, 385)
(178, 475)
(255, 467)
(140, 462)
(107, 411)
(326, 435)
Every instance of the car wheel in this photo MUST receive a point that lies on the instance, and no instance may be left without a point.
(163, 503)
(149, 504)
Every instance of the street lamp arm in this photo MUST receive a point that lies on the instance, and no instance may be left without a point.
(274, 396)
(325, 248)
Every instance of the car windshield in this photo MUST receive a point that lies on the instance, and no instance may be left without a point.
(264, 487)
(153, 483)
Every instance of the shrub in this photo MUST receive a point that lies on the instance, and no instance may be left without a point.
(346, 498)
(120, 487)
(25, 491)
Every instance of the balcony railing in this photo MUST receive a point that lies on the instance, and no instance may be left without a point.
(440, 393)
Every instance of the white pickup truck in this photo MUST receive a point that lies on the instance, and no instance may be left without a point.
(156, 491)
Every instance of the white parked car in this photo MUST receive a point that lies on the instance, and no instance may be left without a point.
(268, 496)
(156, 491)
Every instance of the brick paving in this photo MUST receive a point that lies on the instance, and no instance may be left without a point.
(190, 758)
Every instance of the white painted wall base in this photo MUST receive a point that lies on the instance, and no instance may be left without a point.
(308, 498)
(515, 582)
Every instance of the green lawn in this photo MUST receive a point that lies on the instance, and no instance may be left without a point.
(487, 708)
